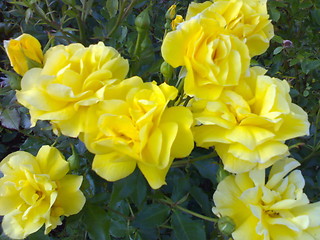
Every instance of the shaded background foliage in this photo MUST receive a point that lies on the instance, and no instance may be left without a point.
(129, 209)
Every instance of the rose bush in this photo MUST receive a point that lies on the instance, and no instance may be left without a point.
(125, 130)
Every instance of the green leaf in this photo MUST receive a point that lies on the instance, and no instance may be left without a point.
(118, 228)
(181, 184)
(309, 65)
(4, 237)
(122, 189)
(10, 118)
(274, 14)
(306, 4)
(112, 7)
(151, 216)
(96, 222)
(207, 169)
(277, 50)
(294, 61)
(39, 235)
(277, 39)
(185, 228)
(140, 192)
(202, 199)
(119, 214)
(315, 13)
(28, 15)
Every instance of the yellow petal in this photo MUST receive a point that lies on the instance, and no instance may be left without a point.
(52, 162)
(70, 198)
(9, 197)
(157, 152)
(174, 53)
(279, 170)
(195, 8)
(233, 163)
(14, 227)
(183, 143)
(113, 166)
(154, 175)
(247, 228)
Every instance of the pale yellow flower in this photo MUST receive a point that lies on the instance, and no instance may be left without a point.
(71, 79)
(273, 209)
(36, 191)
(247, 19)
(249, 124)
(24, 53)
(134, 127)
(213, 58)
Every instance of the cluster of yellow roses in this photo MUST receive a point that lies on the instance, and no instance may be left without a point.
(83, 92)
(244, 114)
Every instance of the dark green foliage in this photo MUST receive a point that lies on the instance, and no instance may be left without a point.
(129, 209)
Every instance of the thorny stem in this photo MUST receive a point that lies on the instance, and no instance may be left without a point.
(138, 43)
(172, 204)
(182, 163)
(316, 128)
(123, 12)
(81, 29)
(119, 213)
(50, 11)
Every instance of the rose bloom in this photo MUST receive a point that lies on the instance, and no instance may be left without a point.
(133, 126)
(247, 19)
(71, 79)
(248, 125)
(275, 209)
(213, 58)
(24, 52)
(36, 191)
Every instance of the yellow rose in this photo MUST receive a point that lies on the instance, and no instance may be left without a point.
(247, 19)
(133, 126)
(36, 191)
(72, 78)
(213, 58)
(249, 124)
(275, 209)
(24, 53)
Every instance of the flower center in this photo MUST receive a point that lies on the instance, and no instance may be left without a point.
(272, 213)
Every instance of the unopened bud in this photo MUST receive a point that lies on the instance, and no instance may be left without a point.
(166, 70)
(171, 13)
(287, 44)
(24, 53)
(74, 161)
(142, 21)
(226, 226)
(175, 22)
